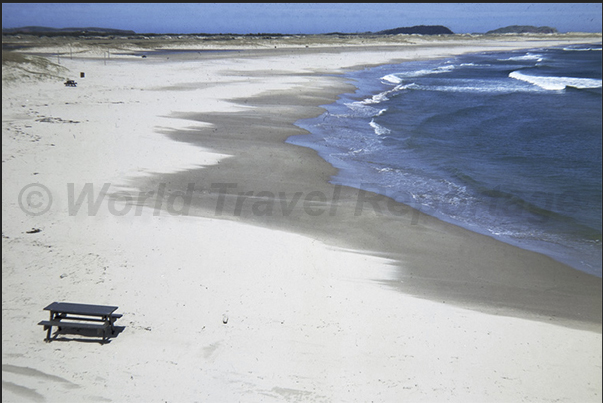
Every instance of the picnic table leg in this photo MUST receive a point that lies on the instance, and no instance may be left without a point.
(49, 328)
(107, 319)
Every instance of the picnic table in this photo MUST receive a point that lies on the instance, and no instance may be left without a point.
(70, 83)
(81, 316)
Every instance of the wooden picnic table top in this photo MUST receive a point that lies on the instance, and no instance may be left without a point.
(81, 309)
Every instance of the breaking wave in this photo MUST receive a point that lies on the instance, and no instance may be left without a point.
(556, 83)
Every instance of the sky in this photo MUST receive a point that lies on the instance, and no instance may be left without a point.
(301, 18)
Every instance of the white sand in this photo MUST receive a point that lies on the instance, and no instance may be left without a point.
(306, 321)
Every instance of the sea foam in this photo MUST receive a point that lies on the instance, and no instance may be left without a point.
(556, 83)
(526, 57)
(582, 49)
(397, 78)
(379, 130)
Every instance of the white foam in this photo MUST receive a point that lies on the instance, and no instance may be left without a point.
(360, 109)
(397, 78)
(556, 83)
(444, 69)
(376, 99)
(382, 96)
(481, 86)
(379, 130)
(527, 56)
(417, 73)
(406, 87)
(475, 65)
(581, 49)
(392, 78)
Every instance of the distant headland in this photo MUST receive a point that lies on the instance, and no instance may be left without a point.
(523, 29)
(418, 30)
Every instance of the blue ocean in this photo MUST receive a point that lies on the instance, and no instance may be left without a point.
(506, 144)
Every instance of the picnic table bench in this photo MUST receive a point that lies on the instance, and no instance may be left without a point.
(81, 316)
(70, 83)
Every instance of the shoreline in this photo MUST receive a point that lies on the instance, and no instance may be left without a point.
(330, 292)
(573, 257)
(359, 218)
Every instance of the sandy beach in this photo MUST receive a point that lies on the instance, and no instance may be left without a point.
(163, 185)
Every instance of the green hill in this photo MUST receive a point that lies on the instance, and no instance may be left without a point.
(523, 29)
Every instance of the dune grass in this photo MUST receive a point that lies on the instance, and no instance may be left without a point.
(16, 65)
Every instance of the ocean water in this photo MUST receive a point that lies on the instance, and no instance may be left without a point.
(507, 144)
